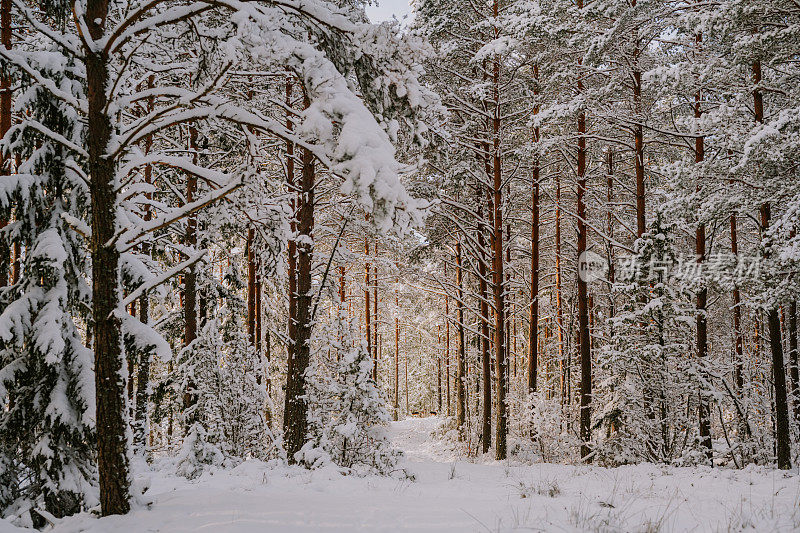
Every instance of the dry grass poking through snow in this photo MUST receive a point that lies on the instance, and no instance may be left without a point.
(452, 495)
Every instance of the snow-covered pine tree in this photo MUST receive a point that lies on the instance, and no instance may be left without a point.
(646, 373)
(226, 422)
(47, 447)
(348, 418)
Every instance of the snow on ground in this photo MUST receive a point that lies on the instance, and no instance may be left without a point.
(456, 495)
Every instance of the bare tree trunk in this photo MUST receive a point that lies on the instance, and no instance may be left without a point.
(291, 346)
(447, 350)
(583, 308)
(498, 279)
(397, 352)
(737, 330)
(112, 456)
(375, 344)
(704, 412)
(296, 419)
(562, 370)
(773, 321)
(533, 322)
(5, 125)
(461, 375)
(486, 353)
(251, 287)
(367, 307)
(143, 369)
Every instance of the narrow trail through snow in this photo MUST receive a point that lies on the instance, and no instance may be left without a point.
(450, 494)
(414, 437)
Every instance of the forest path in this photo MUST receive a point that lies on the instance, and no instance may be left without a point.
(451, 494)
(414, 436)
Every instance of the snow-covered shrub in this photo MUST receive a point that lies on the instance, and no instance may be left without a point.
(551, 437)
(649, 383)
(226, 417)
(197, 453)
(347, 415)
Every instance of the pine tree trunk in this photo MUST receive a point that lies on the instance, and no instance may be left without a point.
(583, 308)
(396, 354)
(375, 343)
(296, 418)
(5, 125)
(439, 375)
(447, 350)
(143, 368)
(638, 138)
(291, 346)
(562, 370)
(704, 412)
(737, 329)
(405, 361)
(190, 278)
(498, 276)
(251, 287)
(533, 322)
(782, 438)
(794, 371)
(112, 453)
(773, 321)
(258, 317)
(610, 231)
(367, 307)
(461, 376)
(486, 354)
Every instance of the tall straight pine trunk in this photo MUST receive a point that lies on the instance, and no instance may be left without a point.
(486, 354)
(533, 321)
(291, 186)
(501, 364)
(583, 302)
(5, 125)
(112, 456)
(461, 370)
(143, 369)
(447, 350)
(296, 417)
(794, 371)
(782, 442)
(396, 352)
(737, 332)
(703, 410)
(367, 307)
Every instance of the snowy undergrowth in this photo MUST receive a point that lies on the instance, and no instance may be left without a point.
(451, 494)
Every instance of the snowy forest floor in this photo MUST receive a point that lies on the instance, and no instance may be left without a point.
(452, 494)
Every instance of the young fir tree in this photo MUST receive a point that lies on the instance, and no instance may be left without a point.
(221, 370)
(47, 431)
(648, 376)
(348, 417)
